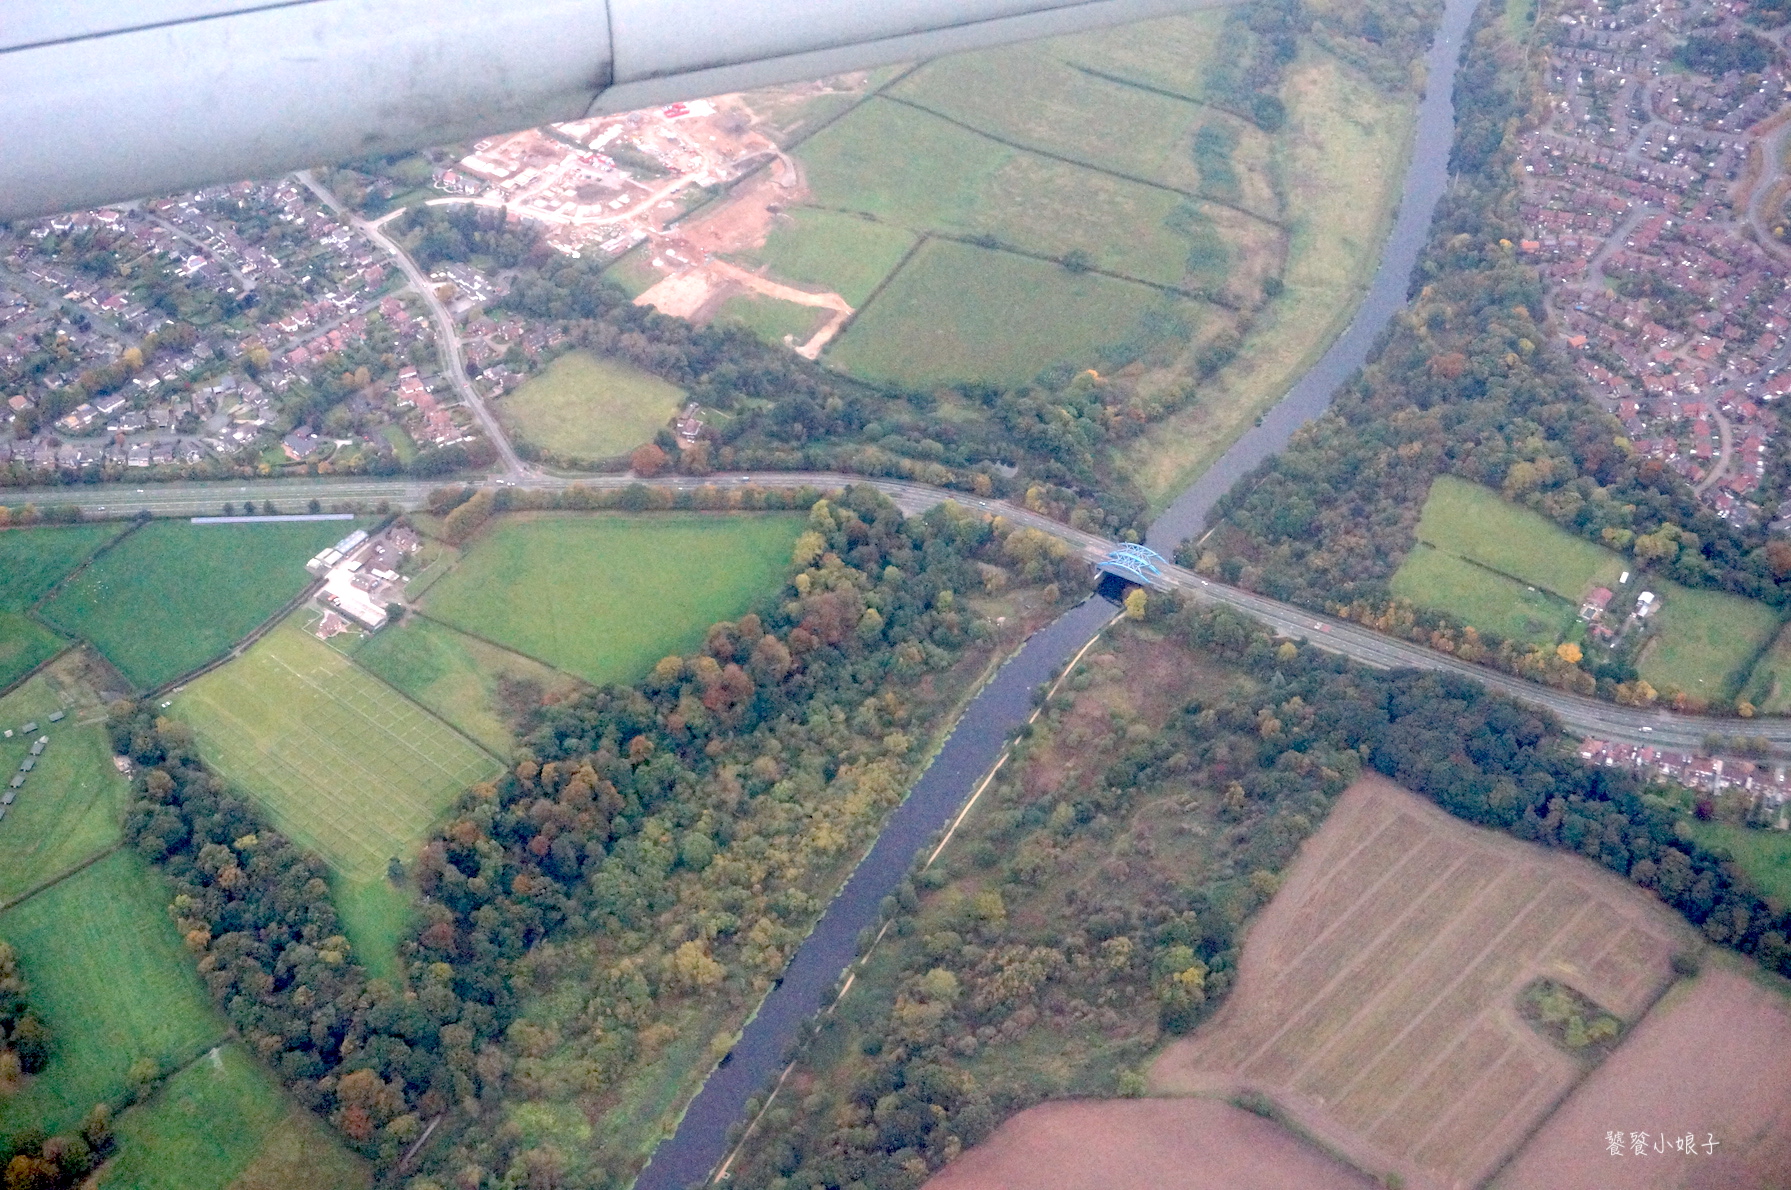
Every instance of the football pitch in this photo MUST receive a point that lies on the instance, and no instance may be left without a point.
(342, 763)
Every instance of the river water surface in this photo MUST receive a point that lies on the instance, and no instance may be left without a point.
(701, 1141)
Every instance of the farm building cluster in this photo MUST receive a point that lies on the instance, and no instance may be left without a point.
(361, 579)
(16, 783)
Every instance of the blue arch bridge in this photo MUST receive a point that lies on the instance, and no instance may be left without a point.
(1137, 564)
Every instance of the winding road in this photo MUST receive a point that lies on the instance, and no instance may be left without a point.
(447, 336)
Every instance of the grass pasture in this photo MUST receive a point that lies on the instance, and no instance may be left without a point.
(959, 312)
(457, 676)
(71, 805)
(34, 560)
(771, 319)
(591, 408)
(1769, 686)
(375, 915)
(1476, 523)
(1706, 641)
(1340, 160)
(603, 597)
(342, 763)
(1487, 600)
(847, 254)
(173, 595)
(1376, 992)
(222, 1124)
(114, 984)
(24, 645)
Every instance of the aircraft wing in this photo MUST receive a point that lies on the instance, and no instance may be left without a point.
(105, 101)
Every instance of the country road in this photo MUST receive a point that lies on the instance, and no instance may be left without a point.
(447, 335)
(1583, 716)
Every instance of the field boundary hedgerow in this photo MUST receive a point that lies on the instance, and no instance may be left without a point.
(58, 878)
(1062, 159)
(486, 640)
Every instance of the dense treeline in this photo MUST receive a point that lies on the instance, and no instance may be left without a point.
(436, 235)
(692, 825)
(1273, 752)
(690, 829)
(1465, 382)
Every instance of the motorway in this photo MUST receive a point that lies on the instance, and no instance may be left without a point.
(1583, 716)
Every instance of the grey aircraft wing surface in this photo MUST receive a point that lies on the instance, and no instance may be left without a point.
(105, 101)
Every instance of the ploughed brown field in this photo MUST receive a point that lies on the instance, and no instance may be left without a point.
(1134, 1144)
(1713, 1059)
(1377, 992)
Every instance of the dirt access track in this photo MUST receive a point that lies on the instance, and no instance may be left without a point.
(1132, 1144)
(1377, 992)
(701, 282)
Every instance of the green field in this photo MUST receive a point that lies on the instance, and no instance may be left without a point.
(222, 1123)
(1769, 686)
(846, 254)
(971, 185)
(24, 645)
(341, 762)
(772, 318)
(1706, 640)
(1476, 523)
(71, 805)
(174, 595)
(1340, 163)
(114, 984)
(34, 560)
(1764, 855)
(455, 675)
(591, 408)
(606, 596)
(1490, 602)
(958, 312)
(376, 915)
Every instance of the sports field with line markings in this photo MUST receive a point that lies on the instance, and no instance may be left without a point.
(344, 764)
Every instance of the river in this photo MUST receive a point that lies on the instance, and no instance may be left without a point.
(701, 1141)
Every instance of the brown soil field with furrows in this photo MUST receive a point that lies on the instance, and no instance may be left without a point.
(1713, 1059)
(1377, 992)
(1163, 1144)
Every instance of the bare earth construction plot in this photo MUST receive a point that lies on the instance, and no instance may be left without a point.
(341, 762)
(1377, 994)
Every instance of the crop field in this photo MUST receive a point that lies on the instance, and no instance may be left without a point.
(34, 560)
(1708, 1060)
(222, 1123)
(1376, 992)
(71, 805)
(847, 254)
(1476, 523)
(591, 408)
(114, 984)
(958, 312)
(1490, 602)
(174, 595)
(457, 676)
(1706, 640)
(603, 597)
(341, 762)
(1191, 1144)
